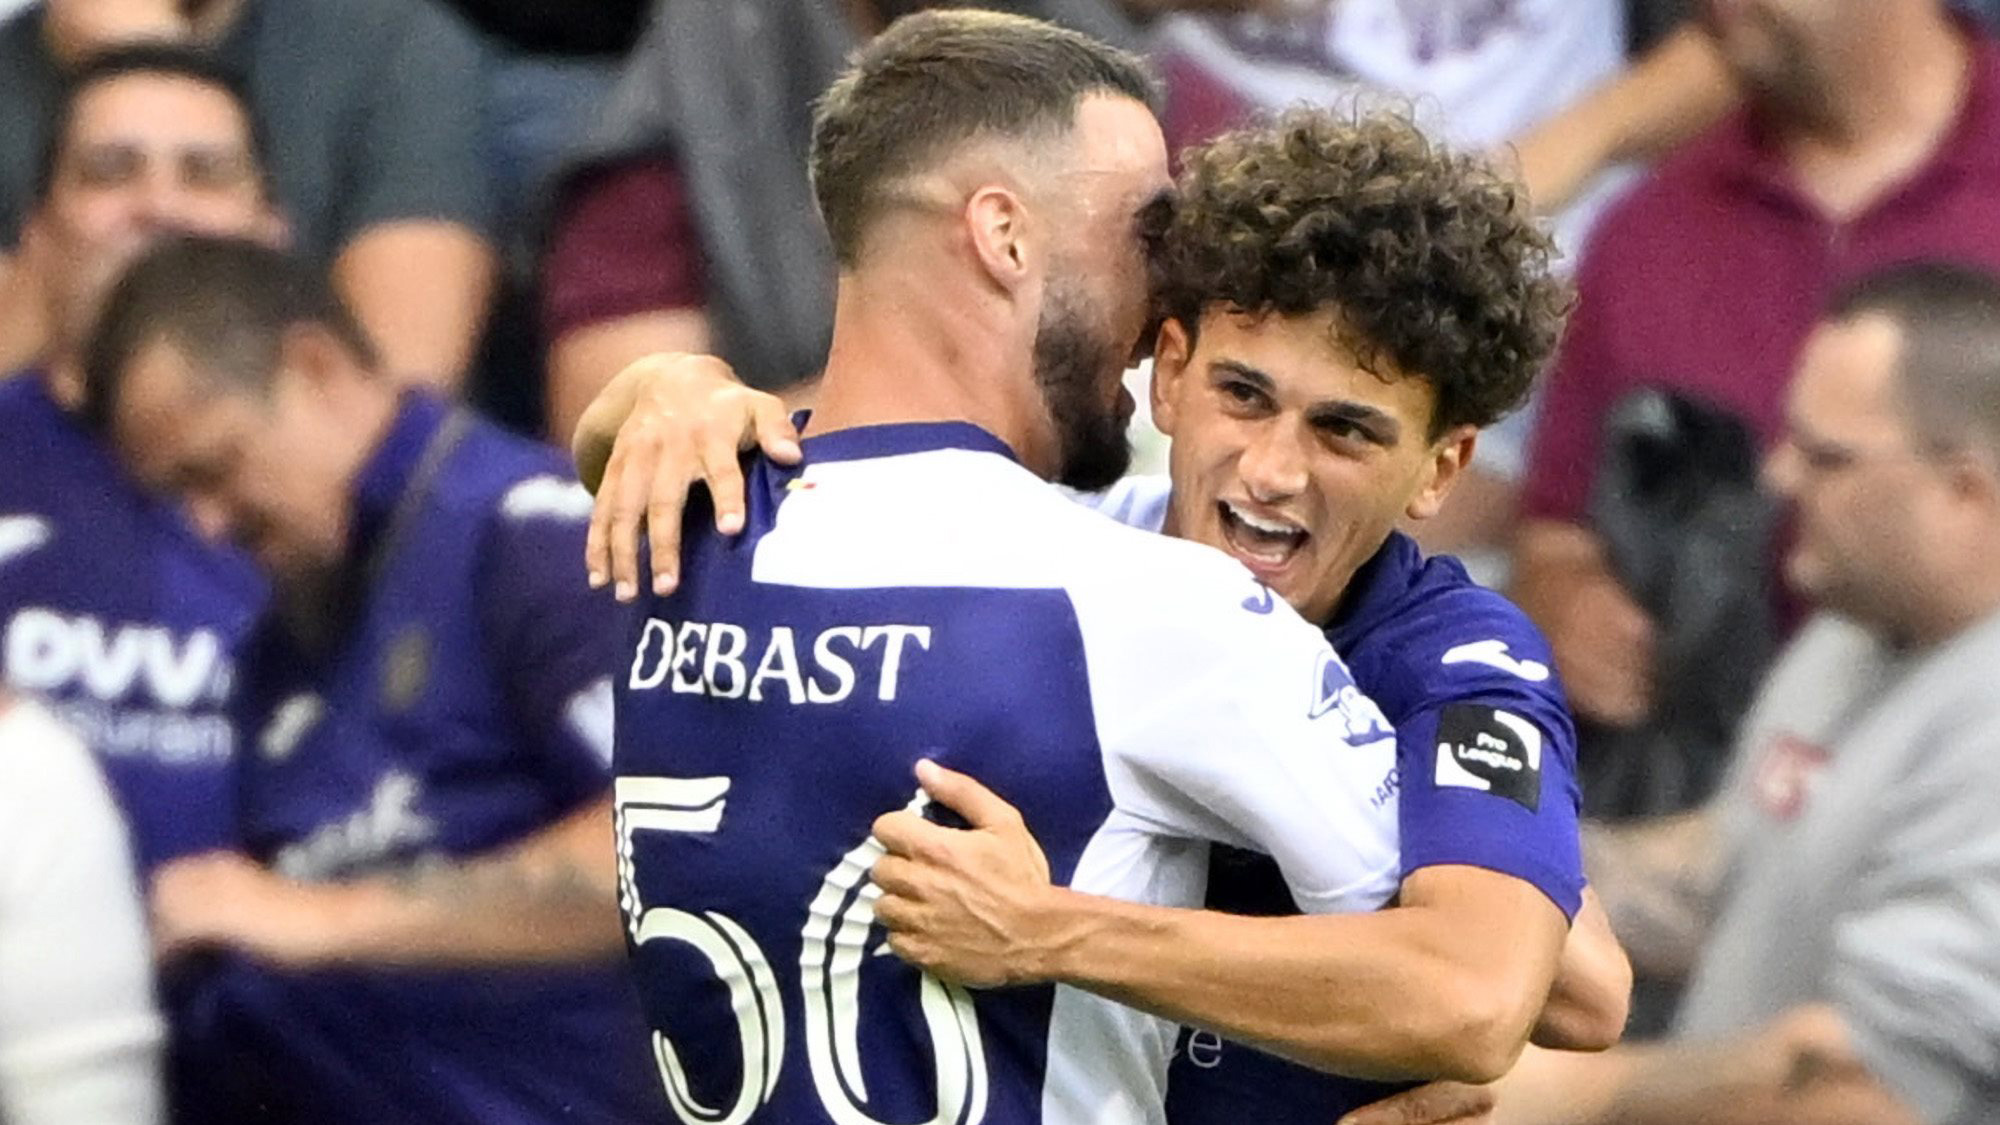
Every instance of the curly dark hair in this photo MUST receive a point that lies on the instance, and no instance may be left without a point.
(1428, 257)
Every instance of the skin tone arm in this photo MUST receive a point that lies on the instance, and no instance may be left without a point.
(421, 289)
(548, 898)
(1603, 640)
(1800, 1069)
(1659, 880)
(1678, 89)
(1412, 992)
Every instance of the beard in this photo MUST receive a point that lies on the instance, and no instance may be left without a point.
(1091, 446)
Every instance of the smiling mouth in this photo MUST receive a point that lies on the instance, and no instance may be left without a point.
(1263, 544)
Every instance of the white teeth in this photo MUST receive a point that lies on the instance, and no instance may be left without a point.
(1264, 526)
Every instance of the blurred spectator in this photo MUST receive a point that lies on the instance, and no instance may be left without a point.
(1871, 134)
(377, 149)
(1843, 891)
(685, 222)
(115, 614)
(426, 794)
(1548, 73)
(79, 1038)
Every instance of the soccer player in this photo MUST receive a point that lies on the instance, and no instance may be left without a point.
(1311, 407)
(917, 591)
(426, 878)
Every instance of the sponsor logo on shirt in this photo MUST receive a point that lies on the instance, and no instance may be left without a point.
(726, 661)
(50, 653)
(1494, 654)
(388, 824)
(1337, 700)
(1490, 750)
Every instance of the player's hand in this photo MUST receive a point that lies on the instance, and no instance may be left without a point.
(226, 900)
(663, 424)
(1440, 1103)
(962, 903)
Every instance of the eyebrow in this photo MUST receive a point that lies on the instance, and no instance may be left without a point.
(1381, 427)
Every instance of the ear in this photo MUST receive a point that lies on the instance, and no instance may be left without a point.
(997, 221)
(1172, 353)
(1449, 457)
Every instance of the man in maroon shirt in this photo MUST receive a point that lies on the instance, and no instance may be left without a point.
(1870, 135)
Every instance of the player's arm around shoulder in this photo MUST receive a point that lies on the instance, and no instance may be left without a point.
(1225, 717)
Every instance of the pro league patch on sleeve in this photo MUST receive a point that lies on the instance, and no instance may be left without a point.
(1490, 750)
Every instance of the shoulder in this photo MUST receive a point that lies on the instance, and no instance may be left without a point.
(1450, 639)
(1682, 189)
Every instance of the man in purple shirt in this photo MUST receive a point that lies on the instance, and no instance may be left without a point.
(1871, 135)
(423, 896)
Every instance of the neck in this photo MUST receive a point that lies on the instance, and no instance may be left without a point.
(909, 349)
(1901, 85)
(1957, 603)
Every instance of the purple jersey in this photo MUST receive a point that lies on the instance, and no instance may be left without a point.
(455, 700)
(122, 622)
(912, 591)
(1486, 760)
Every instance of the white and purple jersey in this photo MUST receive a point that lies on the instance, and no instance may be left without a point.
(1486, 768)
(122, 623)
(913, 592)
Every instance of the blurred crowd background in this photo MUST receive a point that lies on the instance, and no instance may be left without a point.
(516, 198)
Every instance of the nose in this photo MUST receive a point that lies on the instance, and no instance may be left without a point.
(1273, 464)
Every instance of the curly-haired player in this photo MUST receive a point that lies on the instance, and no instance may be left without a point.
(1342, 305)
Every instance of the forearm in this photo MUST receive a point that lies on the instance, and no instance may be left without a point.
(420, 289)
(1658, 883)
(550, 898)
(1678, 89)
(1387, 995)
(1592, 995)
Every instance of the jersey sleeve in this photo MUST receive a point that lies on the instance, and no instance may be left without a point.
(1232, 721)
(1488, 759)
(551, 635)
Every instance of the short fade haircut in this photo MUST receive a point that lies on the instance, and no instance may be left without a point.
(1429, 259)
(935, 80)
(167, 60)
(1948, 372)
(223, 303)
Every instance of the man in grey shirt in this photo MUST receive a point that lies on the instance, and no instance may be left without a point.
(1843, 892)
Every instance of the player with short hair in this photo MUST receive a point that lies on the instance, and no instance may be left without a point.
(916, 591)
(1320, 382)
